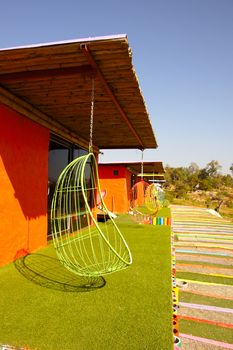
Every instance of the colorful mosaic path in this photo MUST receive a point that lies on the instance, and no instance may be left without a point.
(203, 246)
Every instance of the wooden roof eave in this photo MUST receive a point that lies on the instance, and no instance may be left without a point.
(149, 167)
(151, 174)
(24, 108)
(85, 49)
(51, 63)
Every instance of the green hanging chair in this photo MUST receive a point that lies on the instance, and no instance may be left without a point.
(84, 245)
(152, 199)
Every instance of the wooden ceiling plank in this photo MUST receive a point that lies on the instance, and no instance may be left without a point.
(45, 74)
(91, 61)
(24, 108)
(66, 98)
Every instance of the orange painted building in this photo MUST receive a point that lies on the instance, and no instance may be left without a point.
(122, 186)
(31, 160)
(23, 184)
(122, 189)
(45, 99)
(116, 181)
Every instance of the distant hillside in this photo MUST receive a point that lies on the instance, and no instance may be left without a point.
(201, 187)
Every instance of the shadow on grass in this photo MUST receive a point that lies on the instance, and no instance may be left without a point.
(48, 272)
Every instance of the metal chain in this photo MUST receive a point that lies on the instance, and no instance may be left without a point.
(142, 166)
(92, 114)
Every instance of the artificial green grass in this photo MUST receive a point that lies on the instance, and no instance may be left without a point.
(206, 331)
(131, 311)
(161, 213)
(143, 209)
(201, 299)
(164, 213)
(205, 278)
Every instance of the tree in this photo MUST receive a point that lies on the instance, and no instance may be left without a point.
(193, 181)
(216, 182)
(231, 168)
(212, 168)
(203, 174)
(193, 168)
(182, 182)
(181, 190)
(205, 185)
(227, 180)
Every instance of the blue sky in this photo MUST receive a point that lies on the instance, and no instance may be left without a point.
(182, 53)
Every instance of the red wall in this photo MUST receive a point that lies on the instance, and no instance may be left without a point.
(117, 198)
(23, 184)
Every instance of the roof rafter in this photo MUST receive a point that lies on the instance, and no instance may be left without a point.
(85, 49)
(54, 79)
(45, 73)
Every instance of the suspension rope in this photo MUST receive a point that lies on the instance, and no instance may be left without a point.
(92, 114)
(142, 166)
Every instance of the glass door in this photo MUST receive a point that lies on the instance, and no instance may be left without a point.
(61, 153)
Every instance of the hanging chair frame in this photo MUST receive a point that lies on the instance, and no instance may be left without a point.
(62, 238)
(112, 253)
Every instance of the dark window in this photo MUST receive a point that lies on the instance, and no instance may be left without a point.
(78, 152)
(115, 172)
(61, 153)
(133, 180)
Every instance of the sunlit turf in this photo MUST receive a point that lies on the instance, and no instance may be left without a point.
(162, 212)
(44, 306)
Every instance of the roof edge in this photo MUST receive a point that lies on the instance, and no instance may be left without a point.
(64, 42)
(130, 162)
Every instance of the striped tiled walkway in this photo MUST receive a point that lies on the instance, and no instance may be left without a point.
(204, 259)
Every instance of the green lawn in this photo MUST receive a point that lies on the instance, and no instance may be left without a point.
(162, 212)
(45, 307)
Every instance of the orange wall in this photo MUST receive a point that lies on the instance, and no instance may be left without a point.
(23, 184)
(138, 193)
(117, 198)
